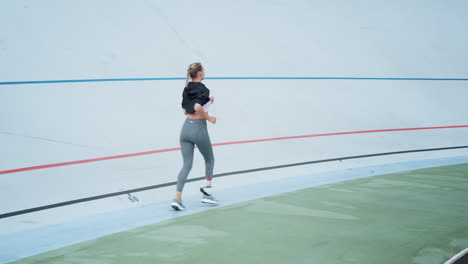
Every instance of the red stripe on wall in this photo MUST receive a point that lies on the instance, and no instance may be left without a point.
(218, 144)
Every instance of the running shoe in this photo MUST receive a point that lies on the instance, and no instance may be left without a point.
(209, 199)
(177, 205)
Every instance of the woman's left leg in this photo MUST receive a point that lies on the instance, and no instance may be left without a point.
(187, 155)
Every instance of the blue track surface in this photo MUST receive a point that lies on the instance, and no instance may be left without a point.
(26, 243)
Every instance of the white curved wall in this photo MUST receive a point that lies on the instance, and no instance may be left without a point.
(60, 40)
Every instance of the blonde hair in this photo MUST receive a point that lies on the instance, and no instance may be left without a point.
(192, 71)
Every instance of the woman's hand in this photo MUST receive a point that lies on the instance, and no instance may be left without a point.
(211, 99)
(212, 119)
(199, 109)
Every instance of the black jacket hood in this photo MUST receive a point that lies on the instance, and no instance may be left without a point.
(194, 89)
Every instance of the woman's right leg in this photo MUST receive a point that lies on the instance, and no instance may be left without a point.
(187, 154)
(205, 148)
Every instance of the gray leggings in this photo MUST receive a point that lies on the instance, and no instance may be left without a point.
(194, 132)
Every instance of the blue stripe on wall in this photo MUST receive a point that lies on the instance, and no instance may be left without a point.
(234, 78)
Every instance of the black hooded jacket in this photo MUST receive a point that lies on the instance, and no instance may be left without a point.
(195, 92)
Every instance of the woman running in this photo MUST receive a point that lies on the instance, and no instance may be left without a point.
(195, 102)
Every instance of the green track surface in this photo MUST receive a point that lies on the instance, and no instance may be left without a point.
(418, 216)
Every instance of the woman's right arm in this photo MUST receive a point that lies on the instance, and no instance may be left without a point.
(199, 109)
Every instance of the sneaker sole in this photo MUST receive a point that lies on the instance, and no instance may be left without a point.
(209, 201)
(177, 207)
